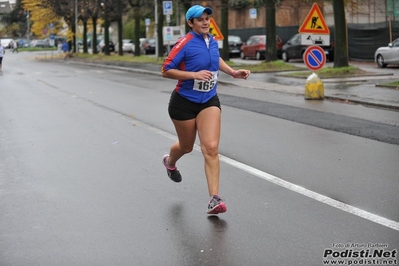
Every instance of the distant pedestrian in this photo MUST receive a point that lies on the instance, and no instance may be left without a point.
(59, 46)
(15, 46)
(2, 52)
(65, 49)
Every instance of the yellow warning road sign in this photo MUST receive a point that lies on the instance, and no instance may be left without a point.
(314, 22)
(214, 30)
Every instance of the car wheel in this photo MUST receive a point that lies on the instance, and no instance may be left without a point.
(380, 61)
(258, 56)
(285, 56)
(242, 55)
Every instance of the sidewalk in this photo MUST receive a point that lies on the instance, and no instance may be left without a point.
(361, 90)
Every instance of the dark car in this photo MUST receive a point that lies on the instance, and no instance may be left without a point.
(256, 47)
(235, 44)
(148, 46)
(101, 46)
(293, 49)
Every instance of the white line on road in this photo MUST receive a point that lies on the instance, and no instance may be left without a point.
(295, 188)
(313, 195)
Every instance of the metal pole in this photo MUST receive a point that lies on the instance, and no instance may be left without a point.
(76, 27)
(28, 17)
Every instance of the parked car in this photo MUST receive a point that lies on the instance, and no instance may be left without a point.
(39, 43)
(235, 44)
(387, 54)
(101, 46)
(256, 47)
(22, 42)
(293, 49)
(6, 43)
(148, 46)
(127, 46)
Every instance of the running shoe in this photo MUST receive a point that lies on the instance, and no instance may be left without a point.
(216, 205)
(173, 173)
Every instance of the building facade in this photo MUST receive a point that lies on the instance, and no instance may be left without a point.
(293, 12)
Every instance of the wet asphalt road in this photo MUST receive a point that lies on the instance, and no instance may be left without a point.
(81, 179)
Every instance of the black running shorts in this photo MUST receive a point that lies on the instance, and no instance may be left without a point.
(182, 109)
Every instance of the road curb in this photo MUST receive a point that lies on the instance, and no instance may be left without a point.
(151, 72)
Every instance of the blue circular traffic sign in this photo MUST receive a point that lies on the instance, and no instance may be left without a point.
(314, 57)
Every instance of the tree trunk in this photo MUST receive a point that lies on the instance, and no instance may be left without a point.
(271, 50)
(186, 5)
(225, 29)
(120, 27)
(340, 38)
(106, 34)
(94, 38)
(137, 48)
(120, 35)
(159, 29)
(85, 50)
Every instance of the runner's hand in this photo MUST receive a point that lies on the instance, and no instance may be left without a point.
(204, 75)
(242, 74)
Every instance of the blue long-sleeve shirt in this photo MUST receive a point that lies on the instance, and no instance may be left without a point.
(190, 53)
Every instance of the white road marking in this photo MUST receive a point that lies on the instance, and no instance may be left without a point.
(313, 195)
(295, 188)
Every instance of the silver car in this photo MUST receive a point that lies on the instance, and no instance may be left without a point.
(388, 54)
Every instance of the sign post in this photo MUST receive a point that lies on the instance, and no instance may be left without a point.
(168, 10)
(314, 57)
(167, 7)
(214, 30)
(314, 30)
(253, 15)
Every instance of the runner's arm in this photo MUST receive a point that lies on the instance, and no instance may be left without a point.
(183, 75)
(241, 73)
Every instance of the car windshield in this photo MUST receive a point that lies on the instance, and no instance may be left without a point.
(264, 39)
(234, 39)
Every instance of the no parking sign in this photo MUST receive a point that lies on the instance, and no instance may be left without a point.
(314, 57)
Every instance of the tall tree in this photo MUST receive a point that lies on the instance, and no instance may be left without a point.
(41, 15)
(93, 9)
(66, 9)
(120, 7)
(84, 16)
(225, 29)
(340, 37)
(159, 30)
(186, 5)
(136, 4)
(271, 50)
(106, 8)
(16, 20)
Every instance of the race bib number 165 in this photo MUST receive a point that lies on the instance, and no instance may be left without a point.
(204, 86)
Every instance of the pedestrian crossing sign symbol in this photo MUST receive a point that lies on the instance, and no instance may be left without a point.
(314, 22)
(214, 30)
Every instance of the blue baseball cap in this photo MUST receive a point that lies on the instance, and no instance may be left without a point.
(196, 11)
